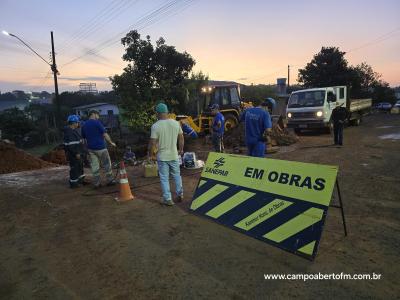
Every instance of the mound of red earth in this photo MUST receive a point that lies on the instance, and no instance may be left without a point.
(16, 160)
(56, 156)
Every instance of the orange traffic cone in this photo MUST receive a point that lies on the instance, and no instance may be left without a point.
(125, 193)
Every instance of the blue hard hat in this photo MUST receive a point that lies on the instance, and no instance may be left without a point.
(270, 102)
(73, 119)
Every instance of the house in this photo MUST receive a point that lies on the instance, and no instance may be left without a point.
(108, 113)
(104, 109)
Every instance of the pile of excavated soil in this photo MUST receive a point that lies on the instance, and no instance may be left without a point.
(282, 137)
(279, 137)
(56, 156)
(16, 160)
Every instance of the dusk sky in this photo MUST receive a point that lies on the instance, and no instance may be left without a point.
(244, 41)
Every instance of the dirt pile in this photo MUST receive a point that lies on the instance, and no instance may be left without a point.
(56, 156)
(282, 137)
(16, 160)
(279, 137)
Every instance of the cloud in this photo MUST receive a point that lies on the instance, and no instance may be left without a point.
(86, 78)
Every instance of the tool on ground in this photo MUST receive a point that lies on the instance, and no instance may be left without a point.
(190, 161)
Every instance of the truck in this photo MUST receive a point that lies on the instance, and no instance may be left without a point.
(312, 108)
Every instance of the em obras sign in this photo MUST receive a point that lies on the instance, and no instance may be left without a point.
(283, 203)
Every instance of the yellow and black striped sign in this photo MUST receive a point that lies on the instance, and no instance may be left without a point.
(283, 203)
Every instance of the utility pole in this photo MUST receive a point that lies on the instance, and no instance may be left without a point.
(55, 72)
(288, 75)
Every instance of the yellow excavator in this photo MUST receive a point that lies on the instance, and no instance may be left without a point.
(224, 93)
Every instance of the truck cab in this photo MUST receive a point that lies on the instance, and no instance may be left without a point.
(312, 108)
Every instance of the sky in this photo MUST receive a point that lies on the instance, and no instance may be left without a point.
(249, 41)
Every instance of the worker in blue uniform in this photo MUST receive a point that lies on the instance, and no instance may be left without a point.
(257, 125)
(217, 128)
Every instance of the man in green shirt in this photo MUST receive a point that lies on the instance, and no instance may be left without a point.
(165, 135)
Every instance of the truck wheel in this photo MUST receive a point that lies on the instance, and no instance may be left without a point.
(231, 121)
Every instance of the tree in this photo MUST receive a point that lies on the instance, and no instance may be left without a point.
(382, 92)
(195, 98)
(327, 68)
(363, 80)
(259, 91)
(153, 74)
(14, 124)
(8, 97)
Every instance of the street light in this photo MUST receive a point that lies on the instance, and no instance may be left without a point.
(30, 48)
(53, 67)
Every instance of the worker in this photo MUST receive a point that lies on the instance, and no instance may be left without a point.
(339, 116)
(95, 135)
(269, 104)
(257, 126)
(85, 153)
(165, 135)
(74, 149)
(217, 128)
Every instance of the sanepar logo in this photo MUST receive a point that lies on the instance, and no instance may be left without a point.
(219, 162)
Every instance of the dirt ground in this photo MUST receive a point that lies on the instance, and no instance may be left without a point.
(58, 243)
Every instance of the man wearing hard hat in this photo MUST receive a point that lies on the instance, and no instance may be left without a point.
(74, 149)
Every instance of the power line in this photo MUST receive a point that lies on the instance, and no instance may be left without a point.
(143, 22)
(377, 40)
(373, 42)
(143, 19)
(44, 81)
(110, 16)
(89, 23)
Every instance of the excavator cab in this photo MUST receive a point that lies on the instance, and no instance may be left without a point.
(227, 96)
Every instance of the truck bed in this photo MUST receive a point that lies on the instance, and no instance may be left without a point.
(359, 104)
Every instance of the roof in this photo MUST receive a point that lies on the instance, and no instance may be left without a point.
(92, 105)
(222, 83)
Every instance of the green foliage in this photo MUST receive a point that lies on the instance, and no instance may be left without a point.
(195, 96)
(153, 74)
(330, 68)
(14, 123)
(260, 92)
(73, 99)
(327, 68)
(383, 93)
(8, 97)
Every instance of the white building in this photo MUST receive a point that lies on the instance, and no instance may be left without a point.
(108, 113)
(104, 109)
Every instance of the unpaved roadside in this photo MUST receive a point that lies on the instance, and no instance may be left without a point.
(59, 243)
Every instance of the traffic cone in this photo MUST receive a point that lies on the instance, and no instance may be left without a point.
(125, 193)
